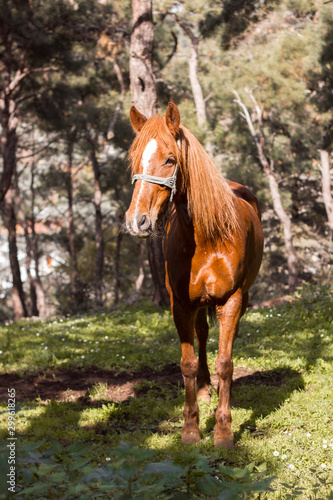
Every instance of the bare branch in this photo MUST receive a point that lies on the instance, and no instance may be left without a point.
(259, 115)
(38, 151)
(20, 75)
(79, 167)
(246, 115)
(259, 141)
(208, 96)
(256, 105)
(186, 27)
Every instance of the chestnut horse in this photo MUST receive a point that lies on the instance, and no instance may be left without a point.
(213, 249)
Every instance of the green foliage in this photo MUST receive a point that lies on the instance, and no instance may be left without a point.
(68, 473)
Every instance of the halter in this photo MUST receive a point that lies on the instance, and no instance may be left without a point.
(169, 182)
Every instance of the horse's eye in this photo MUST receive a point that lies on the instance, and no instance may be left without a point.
(169, 161)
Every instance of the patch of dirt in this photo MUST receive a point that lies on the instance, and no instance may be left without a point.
(74, 385)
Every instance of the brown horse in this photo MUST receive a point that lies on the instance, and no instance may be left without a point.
(213, 250)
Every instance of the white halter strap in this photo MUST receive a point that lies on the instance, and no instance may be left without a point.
(169, 182)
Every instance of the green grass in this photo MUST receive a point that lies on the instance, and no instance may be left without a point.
(283, 415)
(122, 340)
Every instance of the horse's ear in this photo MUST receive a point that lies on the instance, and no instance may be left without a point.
(137, 119)
(172, 117)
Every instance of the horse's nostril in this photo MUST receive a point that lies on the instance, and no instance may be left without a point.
(144, 223)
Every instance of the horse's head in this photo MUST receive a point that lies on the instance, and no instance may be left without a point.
(154, 156)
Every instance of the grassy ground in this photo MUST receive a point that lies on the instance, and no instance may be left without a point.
(283, 413)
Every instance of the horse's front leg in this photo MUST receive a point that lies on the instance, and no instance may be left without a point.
(203, 379)
(228, 316)
(185, 321)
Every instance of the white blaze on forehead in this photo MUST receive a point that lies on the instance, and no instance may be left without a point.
(145, 160)
(148, 153)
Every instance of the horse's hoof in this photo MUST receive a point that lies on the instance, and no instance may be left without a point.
(224, 442)
(204, 394)
(190, 437)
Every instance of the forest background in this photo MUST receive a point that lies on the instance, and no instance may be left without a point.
(253, 80)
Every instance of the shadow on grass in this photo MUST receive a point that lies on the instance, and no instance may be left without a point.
(263, 392)
(70, 384)
(153, 405)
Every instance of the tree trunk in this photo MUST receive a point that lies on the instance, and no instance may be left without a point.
(326, 187)
(71, 227)
(18, 297)
(285, 220)
(292, 259)
(9, 122)
(144, 97)
(99, 261)
(24, 223)
(142, 80)
(41, 304)
(199, 101)
(116, 283)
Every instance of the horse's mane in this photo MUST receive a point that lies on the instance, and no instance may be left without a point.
(210, 199)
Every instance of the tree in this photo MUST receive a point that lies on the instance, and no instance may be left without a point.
(109, 48)
(28, 244)
(35, 38)
(9, 216)
(31, 35)
(326, 187)
(268, 167)
(41, 302)
(144, 97)
(200, 104)
(69, 171)
(320, 81)
(142, 79)
(99, 261)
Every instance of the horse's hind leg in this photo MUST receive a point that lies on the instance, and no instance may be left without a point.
(203, 378)
(184, 321)
(228, 316)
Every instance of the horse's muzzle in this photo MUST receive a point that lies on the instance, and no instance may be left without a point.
(140, 225)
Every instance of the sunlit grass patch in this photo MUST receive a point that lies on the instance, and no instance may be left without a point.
(91, 417)
(114, 340)
(98, 391)
(26, 413)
